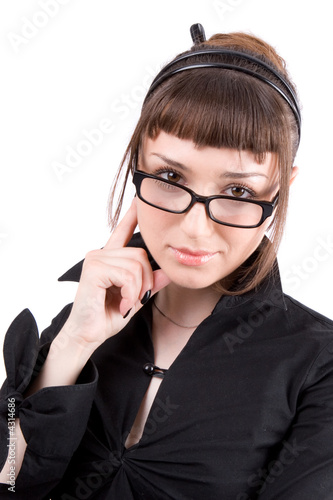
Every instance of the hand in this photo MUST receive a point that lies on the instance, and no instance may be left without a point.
(113, 282)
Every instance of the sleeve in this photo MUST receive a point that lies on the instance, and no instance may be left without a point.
(53, 420)
(303, 469)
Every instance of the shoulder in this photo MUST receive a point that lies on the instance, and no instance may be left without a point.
(302, 314)
(311, 331)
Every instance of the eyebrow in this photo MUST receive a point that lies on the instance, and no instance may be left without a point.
(239, 175)
(225, 175)
(174, 163)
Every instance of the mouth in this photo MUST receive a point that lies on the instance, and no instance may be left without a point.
(189, 257)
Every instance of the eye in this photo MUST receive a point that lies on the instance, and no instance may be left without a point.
(169, 175)
(242, 192)
(237, 192)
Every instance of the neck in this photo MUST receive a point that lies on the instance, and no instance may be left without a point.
(187, 306)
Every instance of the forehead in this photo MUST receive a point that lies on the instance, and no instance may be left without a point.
(185, 154)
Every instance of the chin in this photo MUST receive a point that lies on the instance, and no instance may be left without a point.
(192, 278)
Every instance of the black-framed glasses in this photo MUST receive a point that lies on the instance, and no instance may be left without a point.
(176, 199)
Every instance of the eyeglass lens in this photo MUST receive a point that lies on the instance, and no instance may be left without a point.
(174, 198)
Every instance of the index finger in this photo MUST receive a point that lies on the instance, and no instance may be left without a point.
(125, 229)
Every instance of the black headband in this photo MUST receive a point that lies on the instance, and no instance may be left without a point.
(198, 37)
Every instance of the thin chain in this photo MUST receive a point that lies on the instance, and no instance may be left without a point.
(171, 320)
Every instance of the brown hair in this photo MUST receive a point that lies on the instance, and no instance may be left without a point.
(255, 117)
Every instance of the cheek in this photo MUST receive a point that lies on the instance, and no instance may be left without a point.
(241, 242)
(152, 221)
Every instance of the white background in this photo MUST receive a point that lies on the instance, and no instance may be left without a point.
(66, 71)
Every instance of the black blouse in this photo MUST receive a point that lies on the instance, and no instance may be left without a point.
(244, 412)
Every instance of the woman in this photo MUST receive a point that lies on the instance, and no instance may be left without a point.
(181, 371)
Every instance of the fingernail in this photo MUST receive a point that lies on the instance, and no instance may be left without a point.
(127, 313)
(146, 297)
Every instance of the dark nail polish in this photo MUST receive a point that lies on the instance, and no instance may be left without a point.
(127, 313)
(146, 297)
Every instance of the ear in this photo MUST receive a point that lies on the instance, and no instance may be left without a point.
(294, 173)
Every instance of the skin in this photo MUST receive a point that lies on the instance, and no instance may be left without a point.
(207, 171)
(114, 279)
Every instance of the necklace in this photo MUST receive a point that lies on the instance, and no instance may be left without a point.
(171, 320)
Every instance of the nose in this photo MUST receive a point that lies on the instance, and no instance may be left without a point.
(196, 222)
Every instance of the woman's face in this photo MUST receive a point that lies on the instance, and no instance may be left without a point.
(193, 250)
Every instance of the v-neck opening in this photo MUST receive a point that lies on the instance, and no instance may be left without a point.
(149, 319)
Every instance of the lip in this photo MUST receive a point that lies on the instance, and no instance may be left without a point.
(190, 257)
